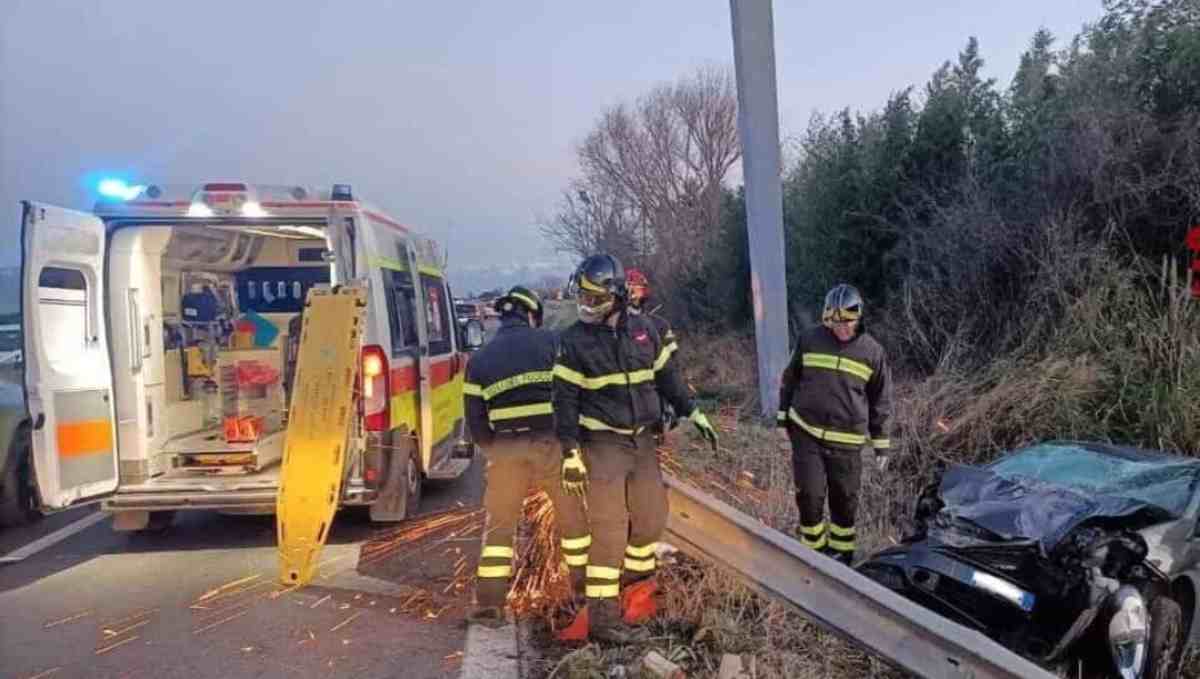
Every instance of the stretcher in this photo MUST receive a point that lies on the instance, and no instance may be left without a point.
(320, 427)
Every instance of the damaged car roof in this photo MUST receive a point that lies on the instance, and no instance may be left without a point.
(1042, 492)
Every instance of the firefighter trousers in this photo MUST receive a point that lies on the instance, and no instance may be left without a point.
(515, 463)
(627, 509)
(821, 471)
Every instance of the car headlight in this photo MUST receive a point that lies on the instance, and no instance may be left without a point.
(1129, 632)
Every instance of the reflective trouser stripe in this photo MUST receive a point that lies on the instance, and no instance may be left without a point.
(603, 591)
(602, 582)
(575, 550)
(641, 552)
(640, 559)
(841, 538)
(813, 536)
(495, 571)
(577, 543)
(492, 561)
(502, 551)
(639, 565)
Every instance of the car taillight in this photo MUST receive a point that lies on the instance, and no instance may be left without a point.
(375, 389)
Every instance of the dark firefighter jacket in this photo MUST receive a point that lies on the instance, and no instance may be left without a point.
(608, 380)
(507, 386)
(839, 393)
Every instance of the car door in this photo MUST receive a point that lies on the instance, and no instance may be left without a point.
(68, 372)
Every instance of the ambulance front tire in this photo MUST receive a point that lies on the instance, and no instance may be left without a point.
(17, 495)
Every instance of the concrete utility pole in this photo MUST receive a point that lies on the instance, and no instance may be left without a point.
(758, 124)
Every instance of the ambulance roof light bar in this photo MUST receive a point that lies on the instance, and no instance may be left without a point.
(119, 190)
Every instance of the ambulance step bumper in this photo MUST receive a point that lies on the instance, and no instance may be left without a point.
(245, 499)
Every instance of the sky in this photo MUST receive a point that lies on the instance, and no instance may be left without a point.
(459, 118)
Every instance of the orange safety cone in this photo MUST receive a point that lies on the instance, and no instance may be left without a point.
(578, 629)
(638, 603)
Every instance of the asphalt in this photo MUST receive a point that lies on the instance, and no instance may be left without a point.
(202, 599)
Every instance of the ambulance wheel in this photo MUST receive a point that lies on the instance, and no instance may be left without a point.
(17, 504)
(403, 492)
(160, 521)
(411, 488)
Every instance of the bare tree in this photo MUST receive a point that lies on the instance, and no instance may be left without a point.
(652, 176)
(667, 156)
(592, 218)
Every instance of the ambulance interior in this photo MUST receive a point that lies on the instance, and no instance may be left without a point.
(204, 329)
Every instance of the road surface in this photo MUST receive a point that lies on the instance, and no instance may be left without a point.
(202, 600)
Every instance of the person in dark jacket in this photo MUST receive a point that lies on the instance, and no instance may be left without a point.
(835, 396)
(639, 301)
(507, 396)
(609, 374)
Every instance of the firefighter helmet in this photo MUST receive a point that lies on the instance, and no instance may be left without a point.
(638, 286)
(519, 297)
(843, 303)
(600, 284)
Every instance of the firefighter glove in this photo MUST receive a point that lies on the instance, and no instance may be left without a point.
(706, 429)
(574, 473)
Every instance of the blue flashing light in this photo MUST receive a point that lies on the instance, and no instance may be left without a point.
(117, 188)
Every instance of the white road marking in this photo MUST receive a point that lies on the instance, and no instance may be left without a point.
(22, 553)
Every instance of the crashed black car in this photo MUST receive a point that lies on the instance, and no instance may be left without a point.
(1070, 553)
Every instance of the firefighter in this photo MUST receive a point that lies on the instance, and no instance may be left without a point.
(639, 298)
(609, 373)
(508, 410)
(835, 394)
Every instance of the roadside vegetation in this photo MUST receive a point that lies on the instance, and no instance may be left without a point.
(1021, 248)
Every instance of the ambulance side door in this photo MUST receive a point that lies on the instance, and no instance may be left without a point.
(446, 366)
(68, 370)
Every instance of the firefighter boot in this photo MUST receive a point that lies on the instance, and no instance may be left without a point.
(639, 602)
(578, 629)
(606, 624)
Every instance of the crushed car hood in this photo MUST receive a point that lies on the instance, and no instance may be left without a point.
(983, 507)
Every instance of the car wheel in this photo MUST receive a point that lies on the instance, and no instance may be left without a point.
(16, 493)
(1166, 639)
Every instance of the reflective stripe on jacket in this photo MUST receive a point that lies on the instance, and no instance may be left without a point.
(507, 385)
(609, 380)
(840, 394)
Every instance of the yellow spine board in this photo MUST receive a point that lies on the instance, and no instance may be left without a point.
(319, 426)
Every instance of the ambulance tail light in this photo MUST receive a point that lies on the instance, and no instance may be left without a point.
(375, 389)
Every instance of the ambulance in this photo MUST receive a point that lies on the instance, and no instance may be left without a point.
(160, 338)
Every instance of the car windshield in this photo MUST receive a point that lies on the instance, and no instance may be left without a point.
(1167, 483)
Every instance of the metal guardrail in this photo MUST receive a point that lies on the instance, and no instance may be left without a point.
(837, 598)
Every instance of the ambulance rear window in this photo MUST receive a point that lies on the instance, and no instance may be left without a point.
(277, 290)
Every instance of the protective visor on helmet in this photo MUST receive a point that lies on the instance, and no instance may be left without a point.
(842, 314)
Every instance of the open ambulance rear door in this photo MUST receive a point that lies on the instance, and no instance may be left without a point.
(68, 371)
